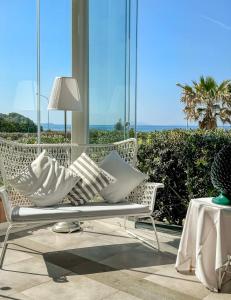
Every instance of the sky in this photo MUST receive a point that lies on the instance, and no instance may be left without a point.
(178, 41)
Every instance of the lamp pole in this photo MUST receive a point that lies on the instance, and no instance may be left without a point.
(48, 113)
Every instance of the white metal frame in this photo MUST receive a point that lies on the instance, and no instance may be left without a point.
(12, 224)
(145, 241)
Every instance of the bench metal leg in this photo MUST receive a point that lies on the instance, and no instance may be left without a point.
(145, 241)
(5, 246)
(155, 231)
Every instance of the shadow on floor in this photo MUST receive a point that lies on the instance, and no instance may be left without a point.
(105, 259)
(86, 260)
(25, 231)
(174, 243)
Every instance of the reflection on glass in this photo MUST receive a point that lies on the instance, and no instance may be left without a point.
(18, 65)
(56, 60)
(110, 60)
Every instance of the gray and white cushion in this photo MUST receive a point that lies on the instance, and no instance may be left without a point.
(93, 180)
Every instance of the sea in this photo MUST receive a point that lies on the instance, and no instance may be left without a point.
(140, 128)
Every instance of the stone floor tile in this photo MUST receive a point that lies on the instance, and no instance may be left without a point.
(92, 267)
(99, 251)
(12, 282)
(218, 296)
(141, 272)
(121, 296)
(58, 241)
(37, 267)
(76, 287)
(136, 287)
(105, 225)
(15, 254)
(138, 257)
(17, 296)
(186, 284)
(95, 240)
(32, 247)
(116, 237)
(25, 274)
(64, 259)
(74, 240)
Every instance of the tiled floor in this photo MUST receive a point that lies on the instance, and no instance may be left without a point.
(101, 262)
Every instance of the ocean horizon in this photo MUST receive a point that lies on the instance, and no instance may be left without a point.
(140, 128)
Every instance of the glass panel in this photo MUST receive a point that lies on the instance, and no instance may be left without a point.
(107, 67)
(18, 61)
(18, 66)
(56, 59)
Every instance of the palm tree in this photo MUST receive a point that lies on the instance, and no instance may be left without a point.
(207, 102)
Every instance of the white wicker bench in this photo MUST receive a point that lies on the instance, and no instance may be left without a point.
(14, 157)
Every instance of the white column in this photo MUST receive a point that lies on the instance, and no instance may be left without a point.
(80, 68)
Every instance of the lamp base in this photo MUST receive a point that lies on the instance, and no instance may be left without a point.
(66, 227)
(222, 200)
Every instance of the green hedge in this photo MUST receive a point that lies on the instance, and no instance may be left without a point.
(96, 136)
(180, 159)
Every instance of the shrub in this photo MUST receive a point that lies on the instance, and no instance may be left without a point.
(182, 161)
(105, 136)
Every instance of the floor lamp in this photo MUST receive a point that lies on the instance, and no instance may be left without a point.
(65, 96)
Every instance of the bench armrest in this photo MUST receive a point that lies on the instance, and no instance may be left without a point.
(145, 194)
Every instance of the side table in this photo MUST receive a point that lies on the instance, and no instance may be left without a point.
(205, 245)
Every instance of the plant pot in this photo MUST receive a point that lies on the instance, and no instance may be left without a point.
(222, 200)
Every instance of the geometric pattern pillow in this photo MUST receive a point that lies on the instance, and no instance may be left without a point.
(93, 180)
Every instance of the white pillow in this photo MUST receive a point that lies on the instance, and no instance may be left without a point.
(127, 178)
(45, 182)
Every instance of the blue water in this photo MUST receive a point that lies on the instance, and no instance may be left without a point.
(143, 128)
(140, 128)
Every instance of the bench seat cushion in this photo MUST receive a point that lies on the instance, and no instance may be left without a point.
(87, 211)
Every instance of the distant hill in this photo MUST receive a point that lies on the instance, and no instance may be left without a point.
(14, 122)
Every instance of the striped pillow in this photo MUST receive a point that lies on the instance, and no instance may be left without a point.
(93, 180)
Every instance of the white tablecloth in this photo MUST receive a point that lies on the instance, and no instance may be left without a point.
(206, 241)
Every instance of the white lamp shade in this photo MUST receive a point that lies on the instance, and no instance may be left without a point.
(65, 95)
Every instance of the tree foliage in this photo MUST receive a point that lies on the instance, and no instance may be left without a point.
(14, 122)
(119, 126)
(206, 101)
